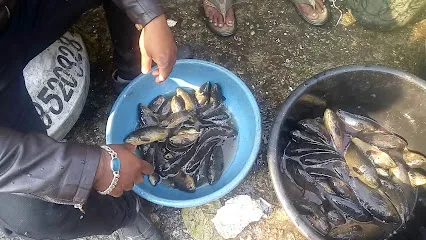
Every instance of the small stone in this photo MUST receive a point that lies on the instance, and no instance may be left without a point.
(237, 38)
(347, 19)
(155, 218)
(171, 22)
(252, 33)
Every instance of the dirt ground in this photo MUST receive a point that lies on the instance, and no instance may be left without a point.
(273, 52)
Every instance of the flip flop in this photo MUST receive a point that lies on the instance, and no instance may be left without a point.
(322, 17)
(222, 6)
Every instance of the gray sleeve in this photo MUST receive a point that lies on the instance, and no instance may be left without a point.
(38, 165)
(141, 11)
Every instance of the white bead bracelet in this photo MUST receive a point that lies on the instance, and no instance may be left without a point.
(115, 168)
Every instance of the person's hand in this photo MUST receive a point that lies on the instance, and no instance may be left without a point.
(132, 170)
(157, 43)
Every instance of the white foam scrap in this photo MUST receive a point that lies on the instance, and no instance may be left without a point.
(238, 212)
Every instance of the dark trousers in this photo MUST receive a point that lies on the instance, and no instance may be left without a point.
(36, 24)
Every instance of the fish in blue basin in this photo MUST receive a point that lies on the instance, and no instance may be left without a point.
(165, 110)
(154, 178)
(175, 119)
(200, 174)
(147, 135)
(147, 117)
(201, 154)
(210, 110)
(203, 94)
(183, 136)
(216, 96)
(177, 104)
(184, 182)
(188, 99)
(215, 165)
(157, 103)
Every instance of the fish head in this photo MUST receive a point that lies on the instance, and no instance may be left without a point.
(189, 183)
(179, 91)
(177, 104)
(137, 140)
(156, 104)
(203, 93)
(216, 94)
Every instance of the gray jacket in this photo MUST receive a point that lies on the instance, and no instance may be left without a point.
(63, 173)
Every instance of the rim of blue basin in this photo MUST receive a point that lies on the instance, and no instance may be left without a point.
(228, 187)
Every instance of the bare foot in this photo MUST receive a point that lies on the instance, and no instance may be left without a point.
(309, 11)
(216, 17)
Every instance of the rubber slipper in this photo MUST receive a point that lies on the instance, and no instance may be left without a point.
(222, 6)
(322, 17)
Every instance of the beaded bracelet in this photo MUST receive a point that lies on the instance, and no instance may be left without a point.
(115, 168)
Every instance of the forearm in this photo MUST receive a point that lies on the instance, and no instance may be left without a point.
(38, 165)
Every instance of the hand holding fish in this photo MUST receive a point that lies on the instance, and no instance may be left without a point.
(131, 172)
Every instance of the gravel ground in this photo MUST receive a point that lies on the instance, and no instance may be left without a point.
(273, 52)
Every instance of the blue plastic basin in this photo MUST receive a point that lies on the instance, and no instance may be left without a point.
(192, 74)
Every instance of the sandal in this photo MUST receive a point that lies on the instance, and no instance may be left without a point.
(322, 17)
(222, 6)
